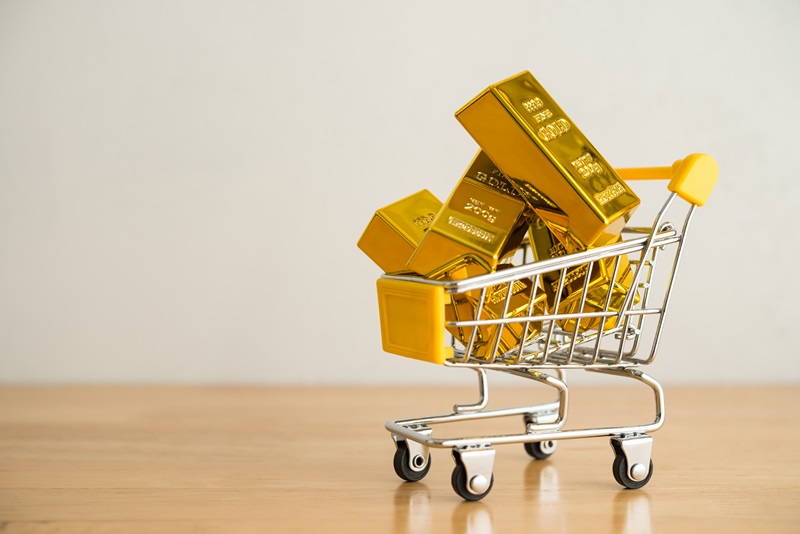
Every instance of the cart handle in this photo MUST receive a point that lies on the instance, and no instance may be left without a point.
(692, 177)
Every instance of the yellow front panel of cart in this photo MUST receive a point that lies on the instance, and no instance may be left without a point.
(412, 319)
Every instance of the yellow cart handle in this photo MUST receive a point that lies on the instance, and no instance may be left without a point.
(692, 178)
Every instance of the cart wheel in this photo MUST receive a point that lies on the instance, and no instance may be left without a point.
(620, 470)
(541, 450)
(403, 464)
(459, 482)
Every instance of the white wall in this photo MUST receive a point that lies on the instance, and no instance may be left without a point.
(182, 183)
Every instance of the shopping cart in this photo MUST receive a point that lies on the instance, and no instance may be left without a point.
(607, 337)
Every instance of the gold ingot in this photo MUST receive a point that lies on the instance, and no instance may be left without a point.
(482, 222)
(462, 306)
(596, 296)
(535, 144)
(465, 307)
(511, 334)
(395, 231)
(550, 241)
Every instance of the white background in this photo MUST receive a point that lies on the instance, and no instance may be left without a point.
(183, 183)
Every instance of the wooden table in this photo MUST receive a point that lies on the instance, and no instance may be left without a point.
(271, 459)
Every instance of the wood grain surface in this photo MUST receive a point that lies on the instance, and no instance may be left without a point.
(110, 459)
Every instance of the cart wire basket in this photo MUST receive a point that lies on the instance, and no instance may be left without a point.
(614, 333)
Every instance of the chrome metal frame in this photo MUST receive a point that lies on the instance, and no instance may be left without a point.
(610, 351)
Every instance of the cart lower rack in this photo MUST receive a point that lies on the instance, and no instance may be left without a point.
(613, 333)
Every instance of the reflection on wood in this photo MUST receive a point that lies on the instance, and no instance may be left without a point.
(134, 459)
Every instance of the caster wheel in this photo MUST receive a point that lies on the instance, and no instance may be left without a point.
(541, 450)
(407, 468)
(622, 476)
(460, 484)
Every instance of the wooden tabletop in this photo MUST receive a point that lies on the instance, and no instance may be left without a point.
(272, 459)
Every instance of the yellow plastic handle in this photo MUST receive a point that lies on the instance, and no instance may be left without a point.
(692, 178)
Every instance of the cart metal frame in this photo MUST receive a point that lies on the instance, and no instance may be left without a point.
(613, 351)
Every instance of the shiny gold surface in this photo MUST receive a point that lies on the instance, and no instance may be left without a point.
(465, 306)
(395, 231)
(511, 334)
(552, 241)
(484, 220)
(533, 141)
(596, 297)
(598, 289)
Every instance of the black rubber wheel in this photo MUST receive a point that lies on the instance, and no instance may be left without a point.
(541, 450)
(620, 470)
(459, 482)
(617, 454)
(402, 464)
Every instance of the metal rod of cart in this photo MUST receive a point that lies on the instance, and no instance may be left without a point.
(615, 337)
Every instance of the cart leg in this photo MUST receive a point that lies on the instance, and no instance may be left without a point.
(633, 466)
(412, 459)
(540, 450)
(649, 381)
(550, 418)
(472, 477)
(483, 389)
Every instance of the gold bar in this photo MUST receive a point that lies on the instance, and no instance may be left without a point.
(549, 240)
(596, 296)
(511, 335)
(552, 241)
(396, 230)
(533, 141)
(463, 307)
(482, 222)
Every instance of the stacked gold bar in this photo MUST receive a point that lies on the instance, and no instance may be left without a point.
(489, 339)
(535, 144)
(535, 174)
(481, 223)
(579, 198)
(396, 230)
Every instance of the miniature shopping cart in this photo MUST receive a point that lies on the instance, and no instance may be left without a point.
(609, 339)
